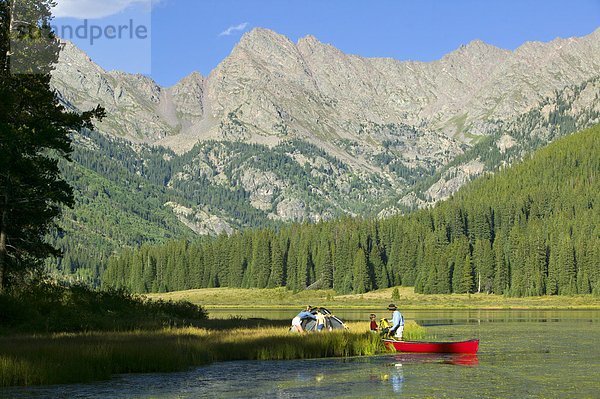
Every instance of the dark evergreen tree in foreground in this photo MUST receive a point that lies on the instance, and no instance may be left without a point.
(533, 229)
(34, 135)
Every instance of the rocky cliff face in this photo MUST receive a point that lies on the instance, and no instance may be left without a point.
(272, 88)
(137, 108)
(389, 129)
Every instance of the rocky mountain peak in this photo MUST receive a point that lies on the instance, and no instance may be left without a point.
(309, 42)
(193, 79)
(477, 51)
(184, 102)
(261, 40)
(270, 88)
(310, 46)
(309, 39)
(70, 53)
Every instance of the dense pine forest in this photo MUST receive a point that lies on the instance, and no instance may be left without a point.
(532, 229)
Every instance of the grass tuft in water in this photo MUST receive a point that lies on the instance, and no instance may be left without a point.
(413, 331)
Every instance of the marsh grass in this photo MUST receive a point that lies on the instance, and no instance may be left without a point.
(413, 331)
(84, 357)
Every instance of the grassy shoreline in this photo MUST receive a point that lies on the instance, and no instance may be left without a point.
(55, 358)
(84, 357)
(226, 298)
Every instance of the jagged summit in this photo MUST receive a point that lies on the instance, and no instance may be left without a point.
(270, 88)
(262, 36)
(477, 51)
(479, 46)
(192, 77)
(309, 39)
(260, 33)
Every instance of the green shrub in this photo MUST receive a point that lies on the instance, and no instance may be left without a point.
(53, 307)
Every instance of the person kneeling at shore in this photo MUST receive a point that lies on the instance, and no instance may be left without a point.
(305, 314)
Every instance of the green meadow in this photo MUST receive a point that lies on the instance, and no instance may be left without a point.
(406, 298)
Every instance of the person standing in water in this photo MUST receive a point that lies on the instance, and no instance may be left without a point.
(397, 322)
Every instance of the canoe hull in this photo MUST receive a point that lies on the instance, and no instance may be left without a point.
(470, 346)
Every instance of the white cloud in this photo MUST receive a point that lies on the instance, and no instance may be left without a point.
(95, 8)
(232, 29)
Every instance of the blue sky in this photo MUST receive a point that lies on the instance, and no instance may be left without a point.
(187, 34)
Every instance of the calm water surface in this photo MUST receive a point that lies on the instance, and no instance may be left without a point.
(523, 354)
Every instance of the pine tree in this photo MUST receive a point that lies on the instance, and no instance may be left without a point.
(553, 270)
(394, 263)
(428, 282)
(483, 260)
(501, 278)
(537, 268)
(136, 282)
(361, 282)
(196, 266)
(567, 284)
(444, 274)
(304, 263)
(342, 274)
(276, 278)
(378, 267)
(466, 282)
(261, 260)
(292, 264)
(327, 271)
(34, 136)
(461, 252)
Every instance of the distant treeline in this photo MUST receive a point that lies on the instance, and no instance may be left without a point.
(533, 229)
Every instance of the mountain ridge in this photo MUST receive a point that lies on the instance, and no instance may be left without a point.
(285, 131)
(305, 69)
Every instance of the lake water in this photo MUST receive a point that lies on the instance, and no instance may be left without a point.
(523, 354)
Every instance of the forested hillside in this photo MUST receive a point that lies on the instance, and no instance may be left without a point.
(115, 205)
(532, 229)
(129, 194)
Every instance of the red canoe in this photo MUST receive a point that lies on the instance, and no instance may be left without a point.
(470, 346)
